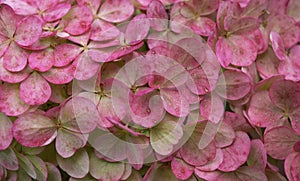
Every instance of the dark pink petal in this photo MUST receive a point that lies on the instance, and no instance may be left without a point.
(56, 12)
(258, 155)
(174, 102)
(15, 58)
(262, 112)
(236, 121)
(65, 54)
(235, 85)
(53, 172)
(146, 110)
(11, 77)
(213, 164)
(10, 102)
(28, 31)
(236, 154)
(277, 45)
(285, 94)
(9, 160)
(267, 64)
(35, 90)
(61, 75)
(288, 164)
(243, 173)
(8, 21)
(79, 115)
(34, 130)
(41, 61)
(40, 167)
(79, 20)
(85, 67)
(116, 11)
(137, 29)
(76, 166)
(212, 108)
(67, 142)
(203, 26)
(181, 169)
(279, 142)
(290, 69)
(295, 167)
(261, 39)
(157, 12)
(103, 31)
(295, 120)
(5, 132)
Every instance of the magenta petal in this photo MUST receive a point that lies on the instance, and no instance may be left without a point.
(258, 155)
(41, 61)
(116, 11)
(203, 26)
(262, 112)
(288, 163)
(79, 20)
(65, 54)
(11, 77)
(213, 164)
(56, 12)
(60, 75)
(181, 169)
(140, 25)
(15, 58)
(277, 45)
(33, 130)
(35, 90)
(10, 102)
(236, 155)
(6, 135)
(242, 26)
(295, 167)
(4, 43)
(279, 141)
(28, 31)
(224, 52)
(267, 64)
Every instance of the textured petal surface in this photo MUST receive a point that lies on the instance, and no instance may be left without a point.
(15, 58)
(56, 12)
(258, 155)
(6, 135)
(61, 75)
(9, 160)
(65, 54)
(116, 11)
(243, 173)
(41, 61)
(181, 169)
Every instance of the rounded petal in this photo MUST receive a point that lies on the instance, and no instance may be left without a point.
(56, 12)
(65, 54)
(225, 135)
(8, 21)
(157, 12)
(85, 67)
(213, 164)
(137, 29)
(181, 170)
(33, 129)
(39, 166)
(15, 58)
(35, 90)
(116, 11)
(41, 61)
(203, 26)
(212, 108)
(9, 160)
(61, 75)
(244, 173)
(103, 31)
(53, 172)
(258, 155)
(6, 135)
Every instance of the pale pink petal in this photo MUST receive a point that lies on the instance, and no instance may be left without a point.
(56, 12)
(157, 12)
(224, 52)
(123, 50)
(28, 31)
(295, 167)
(6, 135)
(225, 135)
(8, 21)
(181, 169)
(61, 75)
(35, 90)
(116, 11)
(244, 173)
(41, 61)
(236, 155)
(15, 58)
(288, 164)
(10, 102)
(92, 4)
(290, 69)
(85, 67)
(4, 43)
(79, 20)
(65, 54)
(11, 77)
(44, 4)
(33, 130)
(137, 29)
(279, 141)
(207, 175)
(9, 160)
(242, 26)
(212, 108)
(103, 31)
(258, 155)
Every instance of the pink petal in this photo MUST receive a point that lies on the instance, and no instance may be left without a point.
(174, 102)
(61, 75)
(157, 12)
(28, 31)
(33, 130)
(76, 166)
(225, 135)
(9, 21)
(295, 167)
(146, 110)
(35, 90)
(56, 12)
(236, 121)
(235, 85)
(15, 58)
(11, 77)
(262, 112)
(212, 108)
(213, 164)
(79, 20)
(5, 132)
(103, 31)
(79, 115)
(277, 45)
(243, 173)
(290, 69)
(258, 155)
(67, 142)
(288, 164)
(224, 52)
(116, 11)
(279, 141)
(92, 4)
(295, 120)
(9, 160)
(140, 25)
(267, 64)
(203, 26)
(181, 170)
(85, 67)
(4, 43)
(65, 54)
(10, 102)
(236, 155)
(242, 26)
(123, 50)
(41, 61)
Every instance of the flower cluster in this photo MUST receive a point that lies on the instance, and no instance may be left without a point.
(149, 90)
